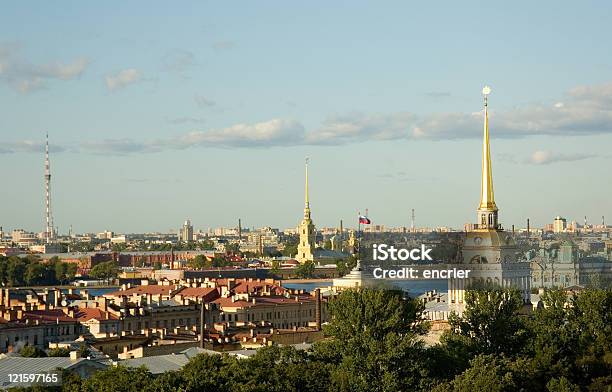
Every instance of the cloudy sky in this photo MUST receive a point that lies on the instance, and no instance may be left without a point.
(206, 111)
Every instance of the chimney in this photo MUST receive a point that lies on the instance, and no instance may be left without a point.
(202, 322)
(318, 309)
(105, 304)
(528, 228)
(74, 355)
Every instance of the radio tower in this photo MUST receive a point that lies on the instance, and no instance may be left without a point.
(412, 222)
(49, 218)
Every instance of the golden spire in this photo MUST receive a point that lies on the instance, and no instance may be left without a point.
(487, 199)
(306, 203)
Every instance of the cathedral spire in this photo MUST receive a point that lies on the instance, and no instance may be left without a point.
(306, 202)
(487, 199)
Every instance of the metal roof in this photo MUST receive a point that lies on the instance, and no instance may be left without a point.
(16, 365)
(159, 363)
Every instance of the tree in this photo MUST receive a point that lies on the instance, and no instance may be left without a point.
(561, 384)
(32, 352)
(220, 261)
(207, 373)
(291, 244)
(59, 352)
(275, 269)
(344, 266)
(279, 369)
(232, 247)
(60, 270)
(15, 271)
(105, 271)
(486, 373)
(572, 337)
(490, 322)
(118, 379)
(70, 271)
(374, 338)
(305, 270)
(199, 262)
(34, 274)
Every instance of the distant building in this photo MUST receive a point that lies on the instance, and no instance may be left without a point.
(559, 225)
(186, 232)
(23, 238)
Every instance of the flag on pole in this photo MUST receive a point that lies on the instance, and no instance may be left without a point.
(364, 220)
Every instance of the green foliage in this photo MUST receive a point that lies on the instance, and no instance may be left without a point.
(232, 247)
(106, 270)
(17, 271)
(118, 379)
(344, 266)
(275, 270)
(486, 373)
(220, 261)
(573, 341)
(373, 344)
(490, 321)
(199, 262)
(305, 270)
(32, 352)
(561, 384)
(59, 352)
(83, 351)
(375, 338)
(291, 244)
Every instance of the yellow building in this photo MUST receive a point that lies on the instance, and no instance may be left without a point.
(305, 250)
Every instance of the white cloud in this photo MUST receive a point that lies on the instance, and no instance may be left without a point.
(28, 146)
(545, 157)
(584, 112)
(358, 127)
(123, 78)
(27, 77)
(275, 132)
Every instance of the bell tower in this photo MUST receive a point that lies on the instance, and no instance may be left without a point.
(307, 230)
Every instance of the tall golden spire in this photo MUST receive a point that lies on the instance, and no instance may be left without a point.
(306, 202)
(487, 199)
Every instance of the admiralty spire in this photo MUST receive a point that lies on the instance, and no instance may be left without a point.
(487, 210)
(489, 252)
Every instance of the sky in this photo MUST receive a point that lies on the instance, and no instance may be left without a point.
(158, 112)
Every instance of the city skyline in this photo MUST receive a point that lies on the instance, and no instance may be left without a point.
(158, 133)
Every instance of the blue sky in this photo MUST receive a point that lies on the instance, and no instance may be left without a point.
(159, 112)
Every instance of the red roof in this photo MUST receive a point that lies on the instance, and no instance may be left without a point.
(208, 293)
(261, 300)
(154, 289)
(85, 314)
(52, 315)
(244, 286)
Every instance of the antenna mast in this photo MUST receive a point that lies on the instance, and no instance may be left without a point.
(49, 219)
